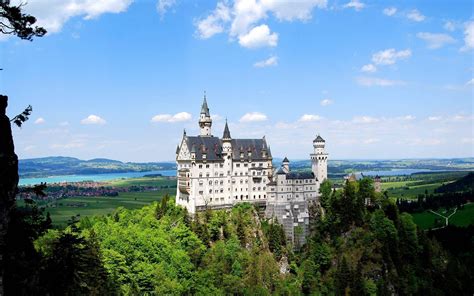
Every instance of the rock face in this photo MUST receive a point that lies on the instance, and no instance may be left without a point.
(8, 179)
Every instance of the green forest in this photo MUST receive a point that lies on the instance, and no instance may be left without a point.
(359, 245)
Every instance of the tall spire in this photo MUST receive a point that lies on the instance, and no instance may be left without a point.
(226, 131)
(205, 108)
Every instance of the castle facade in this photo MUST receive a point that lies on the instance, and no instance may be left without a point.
(218, 172)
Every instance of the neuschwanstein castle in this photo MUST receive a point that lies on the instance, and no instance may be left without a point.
(218, 172)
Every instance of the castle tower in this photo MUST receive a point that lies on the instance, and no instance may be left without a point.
(205, 121)
(319, 159)
(286, 165)
(226, 140)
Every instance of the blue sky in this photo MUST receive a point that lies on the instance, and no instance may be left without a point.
(121, 79)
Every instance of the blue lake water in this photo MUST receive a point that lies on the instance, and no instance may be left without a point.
(95, 177)
(114, 176)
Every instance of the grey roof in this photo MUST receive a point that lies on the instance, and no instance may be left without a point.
(285, 159)
(281, 171)
(212, 146)
(300, 175)
(255, 146)
(319, 139)
(205, 108)
(226, 132)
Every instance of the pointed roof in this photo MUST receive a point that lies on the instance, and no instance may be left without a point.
(285, 159)
(226, 132)
(319, 139)
(281, 171)
(205, 108)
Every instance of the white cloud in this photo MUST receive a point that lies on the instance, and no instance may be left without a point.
(369, 68)
(415, 16)
(162, 6)
(259, 36)
(374, 81)
(470, 82)
(435, 40)
(215, 22)
(178, 117)
(253, 116)
(449, 26)
(356, 4)
(271, 61)
(406, 118)
(72, 144)
(390, 11)
(40, 120)
(365, 119)
(29, 148)
(240, 17)
(93, 119)
(309, 118)
(390, 56)
(326, 102)
(53, 14)
(468, 36)
(434, 118)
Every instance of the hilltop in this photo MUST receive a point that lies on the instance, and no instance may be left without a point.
(60, 165)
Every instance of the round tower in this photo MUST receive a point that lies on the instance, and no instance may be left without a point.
(319, 159)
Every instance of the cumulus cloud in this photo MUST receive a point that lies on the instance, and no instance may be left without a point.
(309, 118)
(162, 6)
(53, 14)
(415, 16)
(435, 40)
(216, 117)
(356, 4)
(215, 22)
(271, 61)
(93, 119)
(434, 118)
(390, 56)
(178, 117)
(470, 82)
(253, 116)
(406, 117)
(369, 68)
(40, 120)
(374, 81)
(259, 36)
(326, 102)
(365, 119)
(390, 11)
(468, 36)
(240, 17)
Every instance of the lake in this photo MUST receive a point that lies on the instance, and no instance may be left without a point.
(94, 177)
(114, 176)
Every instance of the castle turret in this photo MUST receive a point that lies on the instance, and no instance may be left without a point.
(226, 140)
(286, 165)
(319, 159)
(205, 121)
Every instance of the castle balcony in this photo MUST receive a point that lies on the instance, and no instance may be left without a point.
(184, 181)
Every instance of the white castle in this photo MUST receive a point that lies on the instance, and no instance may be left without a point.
(218, 172)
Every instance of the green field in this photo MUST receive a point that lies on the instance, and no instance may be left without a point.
(62, 210)
(144, 181)
(463, 217)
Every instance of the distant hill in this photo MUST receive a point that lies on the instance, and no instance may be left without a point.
(466, 183)
(60, 165)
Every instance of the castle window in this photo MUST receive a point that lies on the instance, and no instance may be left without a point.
(200, 166)
(260, 164)
(201, 192)
(207, 166)
(210, 182)
(210, 191)
(221, 165)
(200, 175)
(253, 165)
(246, 165)
(238, 165)
(207, 174)
(210, 199)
